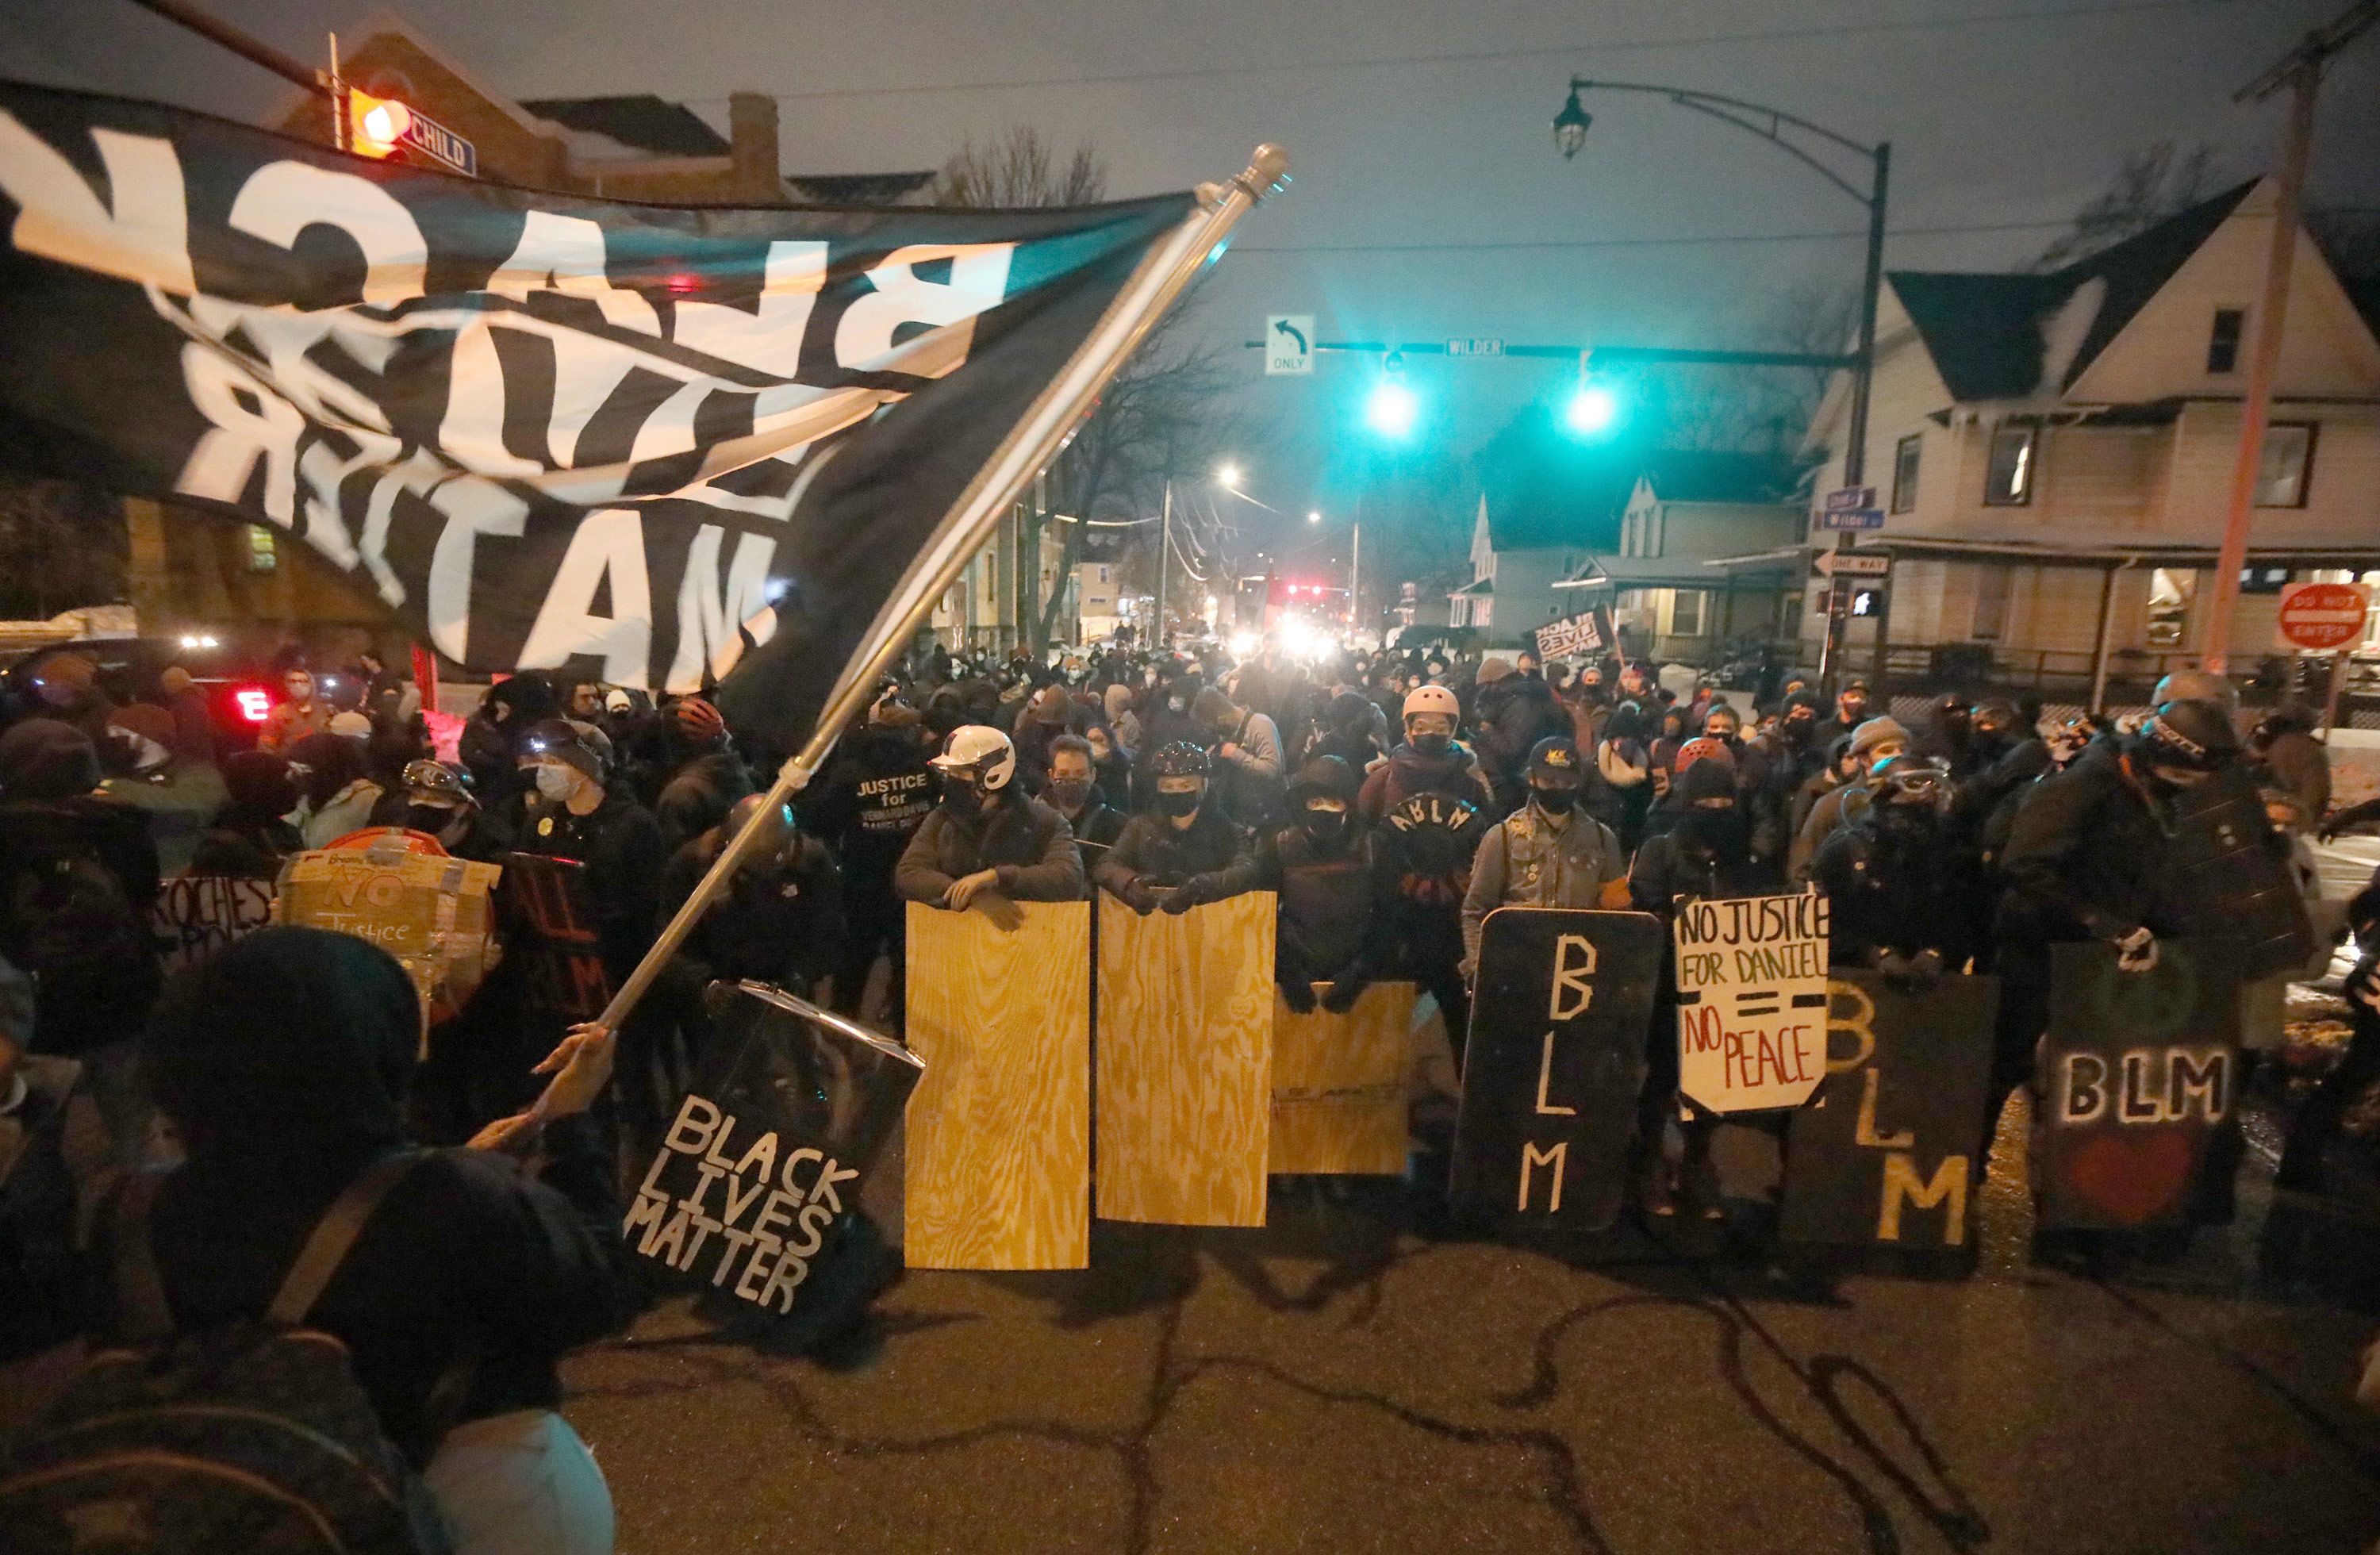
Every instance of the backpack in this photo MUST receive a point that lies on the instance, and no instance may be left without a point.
(252, 1436)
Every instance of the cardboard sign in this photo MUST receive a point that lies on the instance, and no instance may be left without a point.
(770, 1148)
(997, 1171)
(1185, 1061)
(1751, 1000)
(547, 904)
(1339, 1084)
(2141, 1070)
(1556, 1059)
(429, 912)
(196, 915)
(1890, 1151)
(1586, 632)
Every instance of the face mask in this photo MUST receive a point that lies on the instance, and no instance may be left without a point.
(1070, 793)
(1722, 833)
(302, 690)
(1556, 800)
(1432, 745)
(553, 781)
(1179, 805)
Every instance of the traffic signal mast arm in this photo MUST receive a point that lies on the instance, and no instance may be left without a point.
(1601, 355)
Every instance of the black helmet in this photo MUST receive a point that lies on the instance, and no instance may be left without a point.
(1323, 777)
(435, 783)
(2196, 736)
(1180, 759)
(2195, 685)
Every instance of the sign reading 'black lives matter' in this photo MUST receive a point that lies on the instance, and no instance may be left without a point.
(1554, 1063)
(767, 1151)
(542, 429)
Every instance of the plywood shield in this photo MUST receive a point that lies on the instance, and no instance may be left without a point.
(1339, 1085)
(1559, 1021)
(2141, 1072)
(1185, 1061)
(998, 1170)
(1890, 1152)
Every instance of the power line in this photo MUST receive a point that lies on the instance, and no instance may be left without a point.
(1714, 239)
(1380, 61)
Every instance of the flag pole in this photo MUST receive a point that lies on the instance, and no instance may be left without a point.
(1029, 446)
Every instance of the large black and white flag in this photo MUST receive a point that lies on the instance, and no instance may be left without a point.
(643, 441)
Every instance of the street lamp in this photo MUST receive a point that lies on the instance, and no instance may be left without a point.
(1772, 125)
(1227, 475)
(1315, 517)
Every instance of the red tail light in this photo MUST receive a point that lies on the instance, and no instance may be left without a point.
(255, 702)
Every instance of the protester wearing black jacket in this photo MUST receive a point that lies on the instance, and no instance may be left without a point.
(780, 920)
(1325, 864)
(249, 839)
(284, 1063)
(869, 804)
(1186, 852)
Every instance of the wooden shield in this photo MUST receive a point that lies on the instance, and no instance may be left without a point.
(1339, 1085)
(1559, 1021)
(1185, 1061)
(998, 1167)
(1890, 1151)
(2140, 1070)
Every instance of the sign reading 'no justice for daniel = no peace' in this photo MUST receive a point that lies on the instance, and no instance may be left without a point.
(1751, 1000)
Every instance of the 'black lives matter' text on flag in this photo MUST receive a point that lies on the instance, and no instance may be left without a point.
(646, 442)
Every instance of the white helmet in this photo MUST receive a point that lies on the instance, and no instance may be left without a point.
(982, 749)
(1432, 698)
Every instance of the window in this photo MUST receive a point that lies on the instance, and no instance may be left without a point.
(1991, 602)
(1686, 613)
(2287, 462)
(1904, 471)
(2007, 479)
(2170, 593)
(2223, 341)
(262, 556)
(2263, 580)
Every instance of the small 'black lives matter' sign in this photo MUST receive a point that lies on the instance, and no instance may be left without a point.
(768, 1150)
(2141, 1071)
(1891, 1151)
(1556, 1059)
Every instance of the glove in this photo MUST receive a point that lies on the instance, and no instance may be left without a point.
(1195, 892)
(1298, 994)
(1138, 897)
(1347, 988)
(2136, 951)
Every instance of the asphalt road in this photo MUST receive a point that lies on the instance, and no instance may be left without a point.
(1350, 1377)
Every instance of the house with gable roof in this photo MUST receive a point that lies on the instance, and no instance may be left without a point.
(2053, 451)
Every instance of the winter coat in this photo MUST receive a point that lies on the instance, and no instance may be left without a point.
(350, 810)
(1524, 862)
(1331, 926)
(1431, 811)
(1512, 714)
(2088, 856)
(1096, 831)
(621, 846)
(1251, 783)
(287, 723)
(1023, 841)
(871, 801)
(1211, 850)
(700, 792)
(2300, 764)
(1832, 810)
(1671, 868)
(782, 924)
(1897, 883)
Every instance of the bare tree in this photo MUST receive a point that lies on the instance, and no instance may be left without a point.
(2153, 183)
(1165, 416)
(1767, 407)
(1016, 170)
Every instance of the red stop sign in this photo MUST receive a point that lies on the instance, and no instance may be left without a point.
(2319, 616)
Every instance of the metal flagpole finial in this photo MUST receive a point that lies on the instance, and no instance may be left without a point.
(1268, 172)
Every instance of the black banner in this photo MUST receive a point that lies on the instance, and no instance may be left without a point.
(764, 1161)
(1556, 1059)
(549, 918)
(2140, 1071)
(546, 430)
(1890, 1151)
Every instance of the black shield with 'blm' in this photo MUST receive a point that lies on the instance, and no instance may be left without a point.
(1559, 1020)
(756, 1187)
(550, 917)
(2141, 1076)
(1890, 1151)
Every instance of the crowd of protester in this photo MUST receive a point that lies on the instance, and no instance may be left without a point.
(1392, 800)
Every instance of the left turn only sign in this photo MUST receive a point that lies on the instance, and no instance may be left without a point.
(1289, 344)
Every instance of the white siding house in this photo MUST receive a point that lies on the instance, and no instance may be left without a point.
(2048, 447)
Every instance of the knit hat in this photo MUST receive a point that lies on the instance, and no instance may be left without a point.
(43, 758)
(1875, 732)
(1491, 671)
(1118, 701)
(566, 742)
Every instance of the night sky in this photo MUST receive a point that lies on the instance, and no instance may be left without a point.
(1429, 200)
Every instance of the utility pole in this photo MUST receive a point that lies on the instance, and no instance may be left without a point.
(1164, 561)
(1355, 578)
(2300, 72)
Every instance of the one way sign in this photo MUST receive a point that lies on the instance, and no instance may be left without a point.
(1289, 344)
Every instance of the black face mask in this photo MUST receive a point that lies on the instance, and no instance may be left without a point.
(1557, 800)
(1326, 827)
(1070, 793)
(1433, 745)
(1180, 805)
(1723, 834)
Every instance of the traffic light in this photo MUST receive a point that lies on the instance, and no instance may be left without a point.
(1392, 408)
(376, 125)
(1592, 409)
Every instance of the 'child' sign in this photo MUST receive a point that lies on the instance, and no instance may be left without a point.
(1751, 1002)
